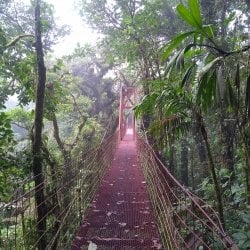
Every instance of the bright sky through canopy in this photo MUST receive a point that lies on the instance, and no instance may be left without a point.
(65, 13)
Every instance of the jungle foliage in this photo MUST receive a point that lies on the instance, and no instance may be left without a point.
(51, 110)
(192, 58)
(188, 59)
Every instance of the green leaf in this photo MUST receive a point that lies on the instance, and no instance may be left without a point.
(206, 90)
(195, 11)
(147, 104)
(179, 64)
(207, 67)
(186, 15)
(240, 236)
(171, 63)
(246, 219)
(187, 75)
(173, 44)
(201, 89)
(211, 87)
(209, 30)
(246, 244)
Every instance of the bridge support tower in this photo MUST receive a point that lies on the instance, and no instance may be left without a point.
(126, 115)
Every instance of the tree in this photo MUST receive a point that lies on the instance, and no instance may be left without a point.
(178, 109)
(37, 140)
(213, 84)
(59, 98)
(184, 162)
(203, 70)
(134, 30)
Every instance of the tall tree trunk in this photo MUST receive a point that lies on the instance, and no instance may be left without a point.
(37, 139)
(228, 136)
(193, 184)
(217, 187)
(244, 129)
(201, 149)
(227, 125)
(184, 162)
(172, 159)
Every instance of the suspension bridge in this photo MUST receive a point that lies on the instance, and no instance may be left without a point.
(116, 196)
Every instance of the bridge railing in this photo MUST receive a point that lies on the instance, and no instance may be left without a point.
(185, 221)
(68, 189)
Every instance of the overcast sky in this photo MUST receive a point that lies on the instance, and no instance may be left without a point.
(66, 14)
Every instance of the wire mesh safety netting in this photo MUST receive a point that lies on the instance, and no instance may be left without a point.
(68, 191)
(185, 221)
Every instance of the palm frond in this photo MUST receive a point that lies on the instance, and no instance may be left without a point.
(147, 105)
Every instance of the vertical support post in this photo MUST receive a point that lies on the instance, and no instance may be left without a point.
(134, 126)
(121, 115)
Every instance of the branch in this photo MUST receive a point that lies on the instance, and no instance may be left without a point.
(222, 52)
(49, 158)
(243, 49)
(80, 127)
(20, 126)
(17, 39)
(58, 139)
(131, 7)
(76, 105)
(112, 20)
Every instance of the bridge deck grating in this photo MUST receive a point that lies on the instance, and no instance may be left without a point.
(120, 216)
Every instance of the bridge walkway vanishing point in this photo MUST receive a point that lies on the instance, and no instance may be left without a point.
(120, 216)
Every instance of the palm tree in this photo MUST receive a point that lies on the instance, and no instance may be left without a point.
(178, 108)
(209, 70)
(197, 77)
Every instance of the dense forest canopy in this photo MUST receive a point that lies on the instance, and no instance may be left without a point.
(190, 63)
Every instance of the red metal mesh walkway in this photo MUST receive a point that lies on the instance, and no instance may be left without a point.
(121, 216)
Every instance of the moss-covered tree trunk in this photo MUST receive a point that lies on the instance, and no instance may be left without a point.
(37, 142)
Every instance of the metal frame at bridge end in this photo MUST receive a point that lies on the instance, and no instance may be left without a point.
(127, 102)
